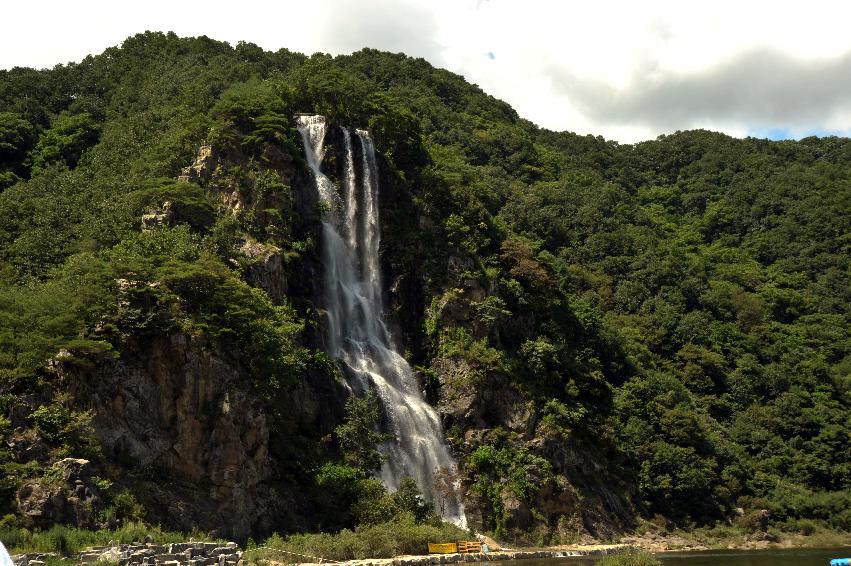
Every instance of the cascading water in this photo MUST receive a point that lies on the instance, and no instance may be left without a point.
(357, 335)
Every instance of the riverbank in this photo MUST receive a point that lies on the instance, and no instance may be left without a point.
(721, 538)
(399, 543)
(694, 541)
(263, 556)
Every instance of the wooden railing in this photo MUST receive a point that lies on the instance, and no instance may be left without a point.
(462, 546)
(469, 546)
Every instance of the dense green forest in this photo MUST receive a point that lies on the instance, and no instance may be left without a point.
(673, 314)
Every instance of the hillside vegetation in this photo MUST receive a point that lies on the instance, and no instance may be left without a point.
(611, 332)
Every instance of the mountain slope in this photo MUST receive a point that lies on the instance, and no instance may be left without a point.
(610, 332)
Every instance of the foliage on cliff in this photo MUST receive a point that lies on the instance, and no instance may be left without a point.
(677, 309)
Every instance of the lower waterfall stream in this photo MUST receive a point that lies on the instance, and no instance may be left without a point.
(356, 333)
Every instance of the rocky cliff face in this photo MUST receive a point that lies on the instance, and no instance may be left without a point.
(574, 495)
(176, 408)
(195, 445)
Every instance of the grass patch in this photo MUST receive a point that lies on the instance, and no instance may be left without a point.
(400, 536)
(70, 540)
(631, 557)
(800, 533)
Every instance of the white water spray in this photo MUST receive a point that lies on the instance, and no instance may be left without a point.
(357, 335)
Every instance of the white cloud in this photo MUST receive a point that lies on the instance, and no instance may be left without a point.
(626, 70)
(390, 25)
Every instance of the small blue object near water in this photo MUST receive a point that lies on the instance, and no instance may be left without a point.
(840, 562)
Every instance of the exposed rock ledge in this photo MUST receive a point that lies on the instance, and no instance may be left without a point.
(149, 554)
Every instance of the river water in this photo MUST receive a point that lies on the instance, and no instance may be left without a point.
(793, 557)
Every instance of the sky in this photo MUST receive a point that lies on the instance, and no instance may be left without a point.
(628, 71)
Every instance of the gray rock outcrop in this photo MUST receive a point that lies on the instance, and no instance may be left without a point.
(196, 444)
(67, 495)
(203, 167)
(264, 268)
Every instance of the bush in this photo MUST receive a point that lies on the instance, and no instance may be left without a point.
(752, 522)
(409, 498)
(70, 429)
(631, 557)
(402, 535)
(65, 141)
(358, 436)
(806, 527)
(71, 540)
(124, 508)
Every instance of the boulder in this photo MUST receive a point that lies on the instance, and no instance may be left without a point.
(159, 216)
(264, 268)
(519, 516)
(73, 499)
(203, 167)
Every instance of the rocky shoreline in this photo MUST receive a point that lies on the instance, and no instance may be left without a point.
(150, 554)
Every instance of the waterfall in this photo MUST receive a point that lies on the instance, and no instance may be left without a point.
(356, 334)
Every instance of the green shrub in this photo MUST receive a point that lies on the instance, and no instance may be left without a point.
(483, 357)
(806, 527)
(632, 557)
(401, 535)
(123, 508)
(501, 470)
(65, 141)
(373, 504)
(70, 429)
(410, 499)
(358, 436)
(71, 540)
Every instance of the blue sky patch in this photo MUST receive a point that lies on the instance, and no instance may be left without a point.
(777, 134)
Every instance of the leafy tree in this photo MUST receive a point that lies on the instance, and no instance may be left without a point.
(64, 142)
(358, 435)
(410, 499)
(16, 137)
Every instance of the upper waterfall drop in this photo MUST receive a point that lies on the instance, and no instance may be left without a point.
(356, 335)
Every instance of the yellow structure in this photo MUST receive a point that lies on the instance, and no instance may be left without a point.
(453, 547)
(442, 548)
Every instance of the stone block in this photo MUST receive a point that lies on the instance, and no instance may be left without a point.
(176, 547)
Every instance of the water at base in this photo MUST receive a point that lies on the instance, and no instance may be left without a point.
(770, 557)
(357, 336)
